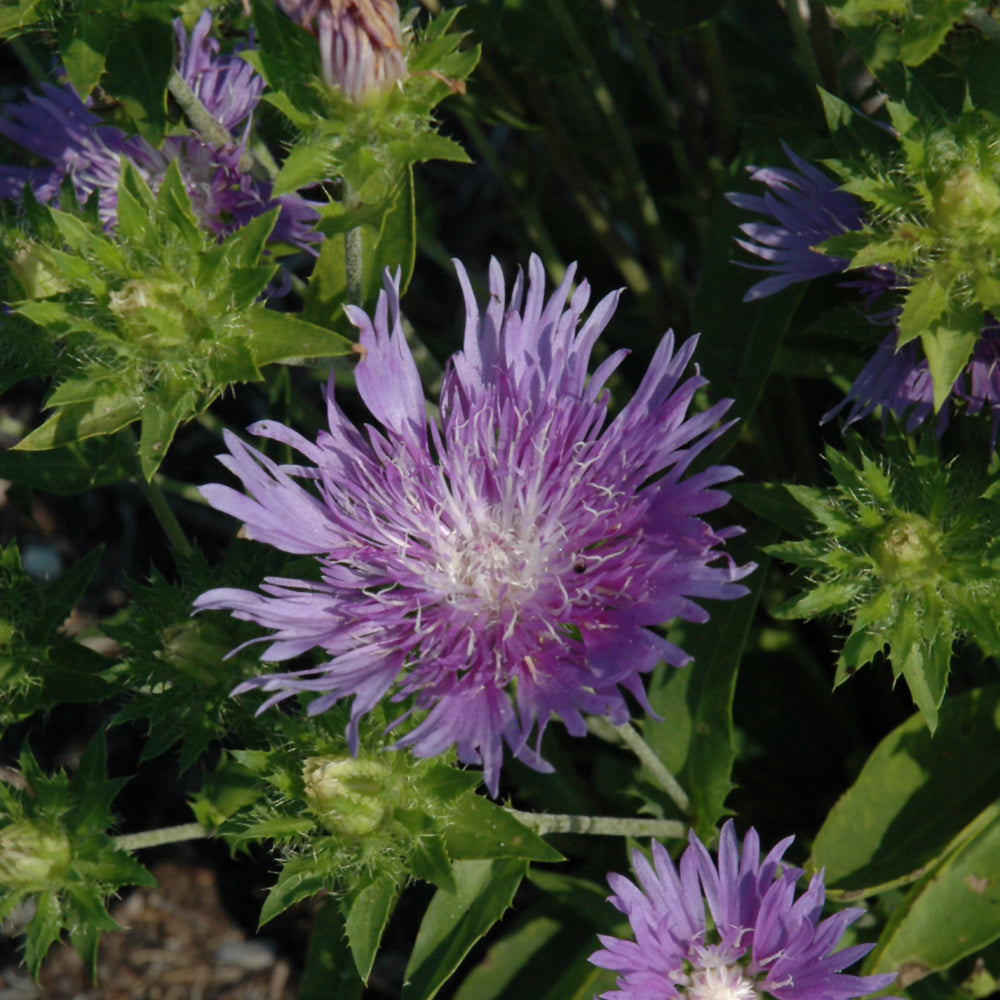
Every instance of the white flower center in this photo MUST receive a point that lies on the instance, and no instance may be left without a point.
(497, 565)
(720, 982)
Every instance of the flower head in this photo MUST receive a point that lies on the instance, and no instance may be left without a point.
(808, 209)
(360, 43)
(506, 565)
(761, 941)
(59, 128)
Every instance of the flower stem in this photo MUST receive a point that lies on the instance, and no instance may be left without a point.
(803, 43)
(165, 515)
(980, 19)
(208, 128)
(353, 251)
(647, 756)
(601, 826)
(164, 835)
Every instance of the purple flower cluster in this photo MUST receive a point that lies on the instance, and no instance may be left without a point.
(506, 564)
(761, 940)
(809, 208)
(57, 127)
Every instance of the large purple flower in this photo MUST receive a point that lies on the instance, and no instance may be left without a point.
(60, 129)
(808, 208)
(761, 942)
(507, 564)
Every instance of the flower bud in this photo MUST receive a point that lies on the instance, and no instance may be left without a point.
(360, 43)
(909, 549)
(35, 271)
(966, 201)
(346, 793)
(31, 858)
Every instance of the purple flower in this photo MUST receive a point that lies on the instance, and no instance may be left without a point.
(981, 387)
(360, 43)
(226, 85)
(59, 128)
(808, 209)
(899, 380)
(761, 939)
(505, 565)
(894, 379)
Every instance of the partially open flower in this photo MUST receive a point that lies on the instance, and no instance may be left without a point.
(360, 43)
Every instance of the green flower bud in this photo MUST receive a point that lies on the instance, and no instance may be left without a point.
(35, 271)
(909, 550)
(31, 858)
(346, 793)
(966, 202)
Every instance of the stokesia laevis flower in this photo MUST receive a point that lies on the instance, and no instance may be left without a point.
(360, 43)
(59, 128)
(761, 942)
(506, 565)
(808, 208)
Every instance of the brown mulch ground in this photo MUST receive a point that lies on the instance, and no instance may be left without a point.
(177, 943)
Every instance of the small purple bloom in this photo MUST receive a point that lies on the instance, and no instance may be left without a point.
(761, 941)
(59, 128)
(226, 85)
(898, 379)
(981, 387)
(808, 209)
(894, 379)
(506, 564)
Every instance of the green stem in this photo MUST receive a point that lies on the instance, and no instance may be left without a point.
(208, 128)
(980, 19)
(164, 835)
(353, 250)
(647, 756)
(803, 43)
(165, 515)
(601, 826)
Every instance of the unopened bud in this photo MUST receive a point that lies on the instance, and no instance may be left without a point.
(32, 858)
(360, 43)
(346, 793)
(909, 550)
(34, 269)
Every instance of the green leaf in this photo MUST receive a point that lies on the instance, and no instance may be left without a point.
(854, 134)
(224, 792)
(329, 971)
(428, 146)
(479, 828)
(702, 700)
(83, 48)
(59, 597)
(299, 879)
(72, 468)
(964, 886)
(275, 336)
(429, 861)
(913, 797)
(454, 922)
(43, 930)
(366, 914)
(139, 63)
(162, 413)
(312, 161)
(83, 420)
(923, 306)
(948, 347)
(26, 12)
